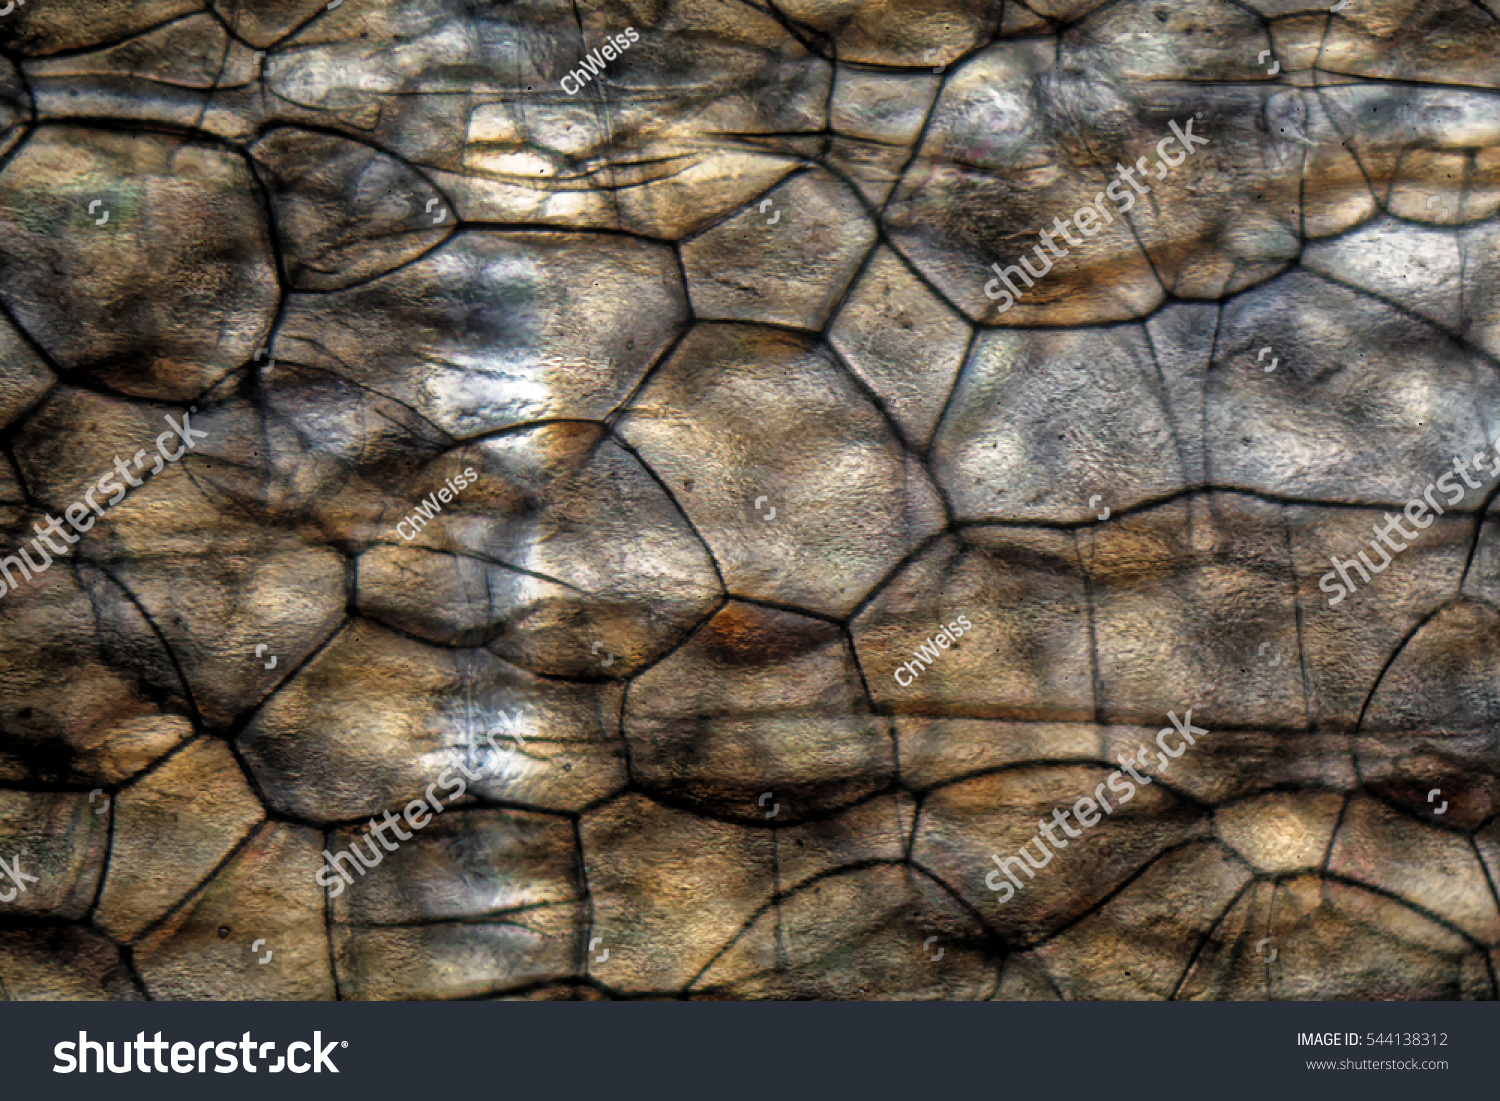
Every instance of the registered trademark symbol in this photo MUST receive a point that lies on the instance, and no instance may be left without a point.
(343, 1043)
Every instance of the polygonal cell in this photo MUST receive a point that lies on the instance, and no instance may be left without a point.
(757, 700)
(988, 837)
(551, 545)
(1197, 592)
(171, 831)
(996, 168)
(41, 29)
(811, 504)
(1140, 942)
(1364, 403)
(142, 261)
(1057, 426)
(254, 931)
(346, 212)
(785, 262)
(497, 329)
(902, 342)
(644, 863)
(849, 935)
(375, 719)
(991, 624)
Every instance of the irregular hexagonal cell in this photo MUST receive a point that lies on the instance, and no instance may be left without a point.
(55, 843)
(1224, 209)
(185, 75)
(1396, 41)
(1366, 404)
(67, 450)
(451, 866)
(1281, 832)
(375, 720)
(997, 163)
(818, 501)
(787, 266)
(363, 727)
(496, 329)
(188, 596)
(1308, 938)
(902, 341)
(847, 935)
(991, 623)
(644, 863)
(1220, 212)
(557, 549)
(456, 959)
(759, 700)
(1309, 135)
(1057, 426)
(1140, 943)
(254, 931)
(1197, 592)
(989, 835)
(141, 261)
(346, 212)
(42, 29)
(172, 828)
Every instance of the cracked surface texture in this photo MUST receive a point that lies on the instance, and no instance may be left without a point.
(725, 428)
